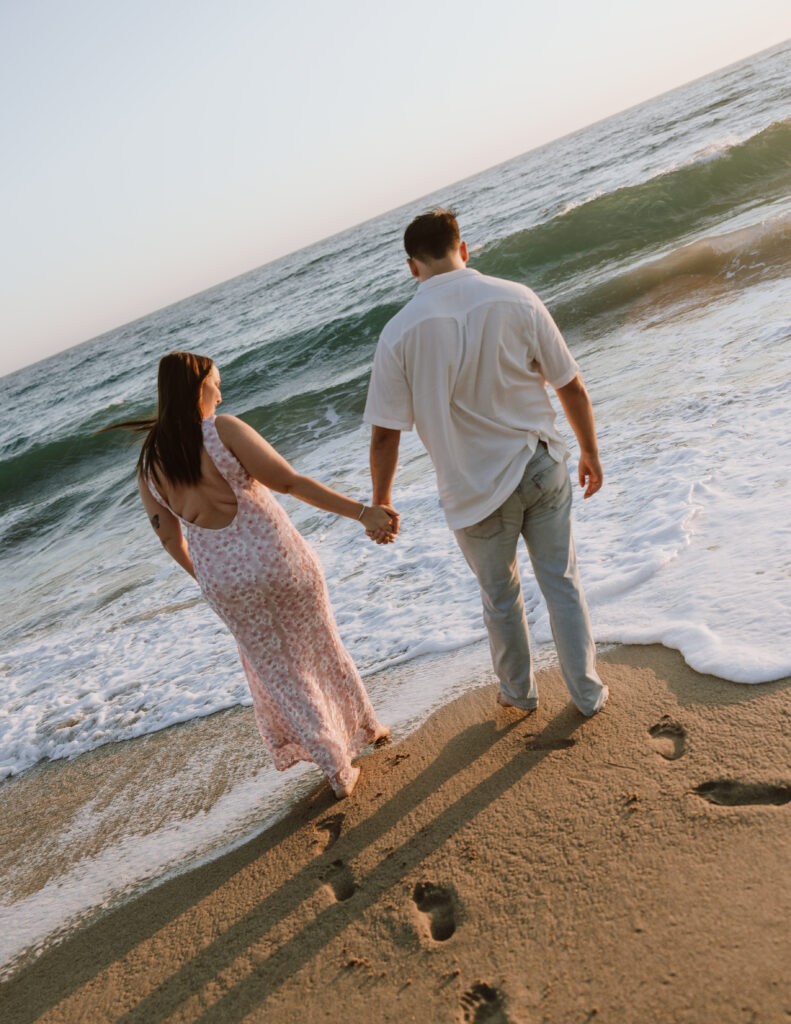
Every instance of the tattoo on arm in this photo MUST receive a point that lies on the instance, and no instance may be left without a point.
(155, 521)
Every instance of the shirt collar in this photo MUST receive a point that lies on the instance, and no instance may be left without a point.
(440, 279)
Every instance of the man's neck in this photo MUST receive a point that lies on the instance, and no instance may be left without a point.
(437, 267)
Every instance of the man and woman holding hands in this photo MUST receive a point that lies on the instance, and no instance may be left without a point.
(466, 362)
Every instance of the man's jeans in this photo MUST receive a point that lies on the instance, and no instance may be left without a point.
(540, 510)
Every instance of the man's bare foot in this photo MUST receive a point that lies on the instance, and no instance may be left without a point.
(504, 704)
(341, 792)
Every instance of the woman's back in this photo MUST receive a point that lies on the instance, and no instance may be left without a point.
(210, 503)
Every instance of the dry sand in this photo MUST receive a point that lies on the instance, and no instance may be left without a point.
(494, 867)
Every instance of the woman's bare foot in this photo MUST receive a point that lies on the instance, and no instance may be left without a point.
(341, 792)
(382, 733)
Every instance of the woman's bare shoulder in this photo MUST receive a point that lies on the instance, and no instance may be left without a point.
(241, 439)
(229, 426)
(232, 428)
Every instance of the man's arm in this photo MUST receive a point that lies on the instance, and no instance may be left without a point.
(384, 459)
(579, 412)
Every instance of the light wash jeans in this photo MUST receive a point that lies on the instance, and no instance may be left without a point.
(540, 510)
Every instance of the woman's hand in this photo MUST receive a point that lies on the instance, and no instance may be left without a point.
(381, 523)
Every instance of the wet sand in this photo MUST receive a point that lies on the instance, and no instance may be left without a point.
(493, 867)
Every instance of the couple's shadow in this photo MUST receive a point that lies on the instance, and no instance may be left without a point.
(116, 936)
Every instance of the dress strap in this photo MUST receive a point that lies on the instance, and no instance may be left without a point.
(157, 496)
(225, 461)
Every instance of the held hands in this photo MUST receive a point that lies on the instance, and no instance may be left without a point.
(381, 523)
(590, 472)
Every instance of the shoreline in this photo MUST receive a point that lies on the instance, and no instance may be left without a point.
(81, 836)
(544, 867)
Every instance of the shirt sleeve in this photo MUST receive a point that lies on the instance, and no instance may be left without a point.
(389, 401)
(552, 353)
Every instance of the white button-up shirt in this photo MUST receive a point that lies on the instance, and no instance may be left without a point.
(467, 361)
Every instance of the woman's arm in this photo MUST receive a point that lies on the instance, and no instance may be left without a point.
(263, 463)
(167, 526)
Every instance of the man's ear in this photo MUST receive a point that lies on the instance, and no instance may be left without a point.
(413, 267)
(463, 251)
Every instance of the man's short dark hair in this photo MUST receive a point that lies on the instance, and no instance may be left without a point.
(432, 235)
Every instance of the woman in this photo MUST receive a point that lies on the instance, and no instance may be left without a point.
(214, 476)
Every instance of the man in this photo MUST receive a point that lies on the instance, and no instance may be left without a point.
(466, 361)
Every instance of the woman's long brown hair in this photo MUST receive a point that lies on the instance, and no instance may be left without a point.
(174, 437)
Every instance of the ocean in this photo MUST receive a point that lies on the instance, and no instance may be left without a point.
(660, 239)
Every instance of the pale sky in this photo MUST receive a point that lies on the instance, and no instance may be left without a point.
(153, 149)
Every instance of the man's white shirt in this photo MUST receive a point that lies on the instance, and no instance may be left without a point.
(467, 361)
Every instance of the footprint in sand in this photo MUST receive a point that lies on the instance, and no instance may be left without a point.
(668, 738)
(339, 878)
(483, 1004)
(732, 793)
(439, 905)
(331, 827)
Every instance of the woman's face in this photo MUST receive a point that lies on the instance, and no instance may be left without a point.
(210, 396)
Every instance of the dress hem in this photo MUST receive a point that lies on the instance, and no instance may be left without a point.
(292, 753)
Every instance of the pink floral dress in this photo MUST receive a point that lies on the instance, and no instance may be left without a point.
(267, 585)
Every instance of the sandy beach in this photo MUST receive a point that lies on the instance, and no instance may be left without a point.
(492, 867)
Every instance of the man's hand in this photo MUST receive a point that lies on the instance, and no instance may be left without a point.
(590, 473)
